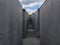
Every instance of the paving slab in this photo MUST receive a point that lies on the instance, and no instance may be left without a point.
(31, 41)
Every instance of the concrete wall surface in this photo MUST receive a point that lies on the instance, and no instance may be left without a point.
(25, 14)
(36, 23)
(10, 22)
(50, 23)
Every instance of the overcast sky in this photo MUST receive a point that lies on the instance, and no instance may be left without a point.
(31, 5)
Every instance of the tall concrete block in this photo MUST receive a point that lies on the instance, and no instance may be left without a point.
(4, 22)
(50, 23)
(10, 22)
(25, 18)
(16, 23)
(36, 22)
(36, 18)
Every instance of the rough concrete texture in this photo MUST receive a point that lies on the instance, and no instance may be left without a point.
(36, 23)
(50, 23)
(10, 22)
(25, 14)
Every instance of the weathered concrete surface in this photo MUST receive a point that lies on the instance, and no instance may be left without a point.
(10, 22)
(25, 18)
(50, 23)
(36, 23)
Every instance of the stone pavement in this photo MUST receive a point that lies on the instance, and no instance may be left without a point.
(31, 38)
(31, 41)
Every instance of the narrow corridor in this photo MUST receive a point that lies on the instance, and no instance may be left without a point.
(31, 38)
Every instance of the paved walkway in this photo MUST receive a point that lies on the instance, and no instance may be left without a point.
(31, 33)
(31, 38)
(31, 41)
